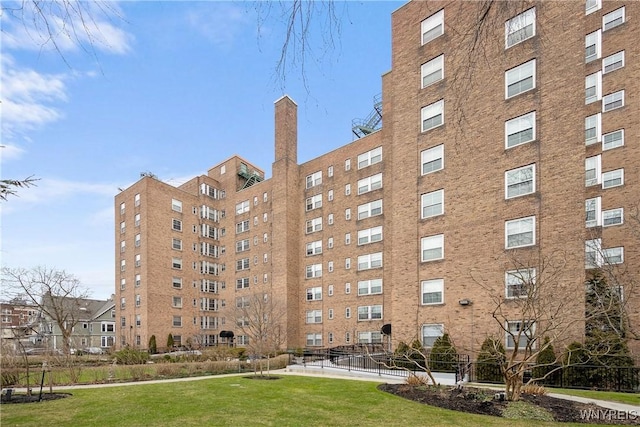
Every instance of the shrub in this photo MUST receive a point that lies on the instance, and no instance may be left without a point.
(545, 363)
(170, 342)
(153, 346)
(443, 357)
(131, 356)
(490, 361)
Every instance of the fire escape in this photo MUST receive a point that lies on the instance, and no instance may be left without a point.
(250, 176)
(373, 122)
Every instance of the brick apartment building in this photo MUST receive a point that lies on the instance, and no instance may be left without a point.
(499, 154)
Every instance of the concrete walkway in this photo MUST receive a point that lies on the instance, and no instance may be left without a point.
(328, 372)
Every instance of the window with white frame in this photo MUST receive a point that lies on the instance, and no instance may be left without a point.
(138, 280)
(613, 62)
(430, 333)
(330, 195)
(370, 158)
(330, 242)
(520, 79)
(123, 227)
(520, 28)
(330, 171)
(520, 130)
(347, 263)
(347, 288)
(243, 245)
(313, 225)
(593, 253)
(137, 240)
(369, 261)
(592, 170)
(314, 294)
(176, 263)
(593, 217)
(369, 337)
(330, 337)
(242, 207)
(313, 270)
(613, 255)
(137, 260)
(347, 312)
(122, 246)
(347, 189)
(136, 200)
(347, 165)
(176, 282)
(123, 265)
(242, 283)
(330, 290)
(612, 217)
(370, 235)
(243, 226)
(432, 204)
(242, 264)
(122, 208)
(432, 115)
(613, 101)
(520, 181)
(369, 312)
(330, 266)
(370, 287)
(432, 292)
(177, 321)
(592, 5)
(177, 302)
(176, 205)
(432, 71)
(432, 27)
(314, 202)
(593, 87)
(613, 178)
(432, 248)
(242, 302)
(330, 313)
(314, 248)
(370, 183)
(314, 179)
(522, 333)
(519, 283)
(347, 214)
(123, 284)
(314, 316)
(176, 224)
(432, 159)
(592, 126)
(613, 19)
(592, 43)
(520, 232)
(138, 300)
(136, 220)
(613, 139)
(176, 244)
(314, 340)
(370, 209)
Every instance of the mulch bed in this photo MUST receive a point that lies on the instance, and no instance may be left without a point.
(35, 397)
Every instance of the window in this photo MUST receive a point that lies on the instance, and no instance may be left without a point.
(330, 290)
(330, 242)
(314, 179)
(520, 232)
(176, 244)
(138, 301)
(592, 5)
(592, 129)
(519, 283)
(265, 237)
(613, 62)
(520, 79)
(123, 284)
(122, 246)
(613, 101)
(137, 261)
(430, 333)
(520, 333)
(432, 27)
(432, 159)
(177, 302)
(177, 322)
(176, 205)
(330, 195)
(314, 316)
(136, 200)
(176, 263)
(613, 255)
(370, 209)
(138, 280)
(314, 340)
(330, 171)
(176, 224)
(432, 115)
(330, 266)
(330, 219)
(347, 189)
(314, 248)
(313, 225)
(432, 291)
(613, 139)
(369, 337)
(243, 226)
(370, 183)
(519, 182)
(432, 204)
(432, 248)
(242, 264)
(136, 221)
(242, 245)
(612, 217)
(592, 171)
(347, 165)
(613, 178)
(370, 235)
(520, 28)
(370, 158)
(520, 130)
(370, 312)
(137, 240)
(347, 288)
(122, 208)
(176, 282)
(242, 283)
(314, 202)
(123, 265)
(347, 263)
(593, 87)
(593, 253)
(347, 312)
(242, 207)
(593, 217)
(369, 261)
(432, 71)
(592, 46)
(107, 327)
(314, 294)
(613, 19)
(242, 302)
(370, 287)
(123, 227)
(138, 320)
(313, 270)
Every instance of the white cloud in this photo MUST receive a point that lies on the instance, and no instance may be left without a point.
(10, 152)
(220, 23)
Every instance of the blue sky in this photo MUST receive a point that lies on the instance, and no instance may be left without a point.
(171, 88)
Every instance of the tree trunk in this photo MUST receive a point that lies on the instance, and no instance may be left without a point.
(513, 383)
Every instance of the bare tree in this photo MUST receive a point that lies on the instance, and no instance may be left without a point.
(56, 294)
(9, 187)
(259, 318)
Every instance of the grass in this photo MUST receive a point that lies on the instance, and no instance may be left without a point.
(628, 398)
(236, 400)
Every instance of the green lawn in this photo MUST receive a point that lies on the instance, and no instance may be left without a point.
(238, 401)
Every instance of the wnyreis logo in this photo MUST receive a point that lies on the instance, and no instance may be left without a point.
(608, 415)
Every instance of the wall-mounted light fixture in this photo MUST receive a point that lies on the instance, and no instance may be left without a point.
(464, 302)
